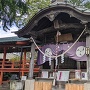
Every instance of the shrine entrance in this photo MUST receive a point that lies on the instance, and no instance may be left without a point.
(64, 25)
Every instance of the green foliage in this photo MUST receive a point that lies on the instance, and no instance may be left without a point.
(76, 2)
(35, 6)
(15, 59)
(20, 11)
(87, 4)
(7, 75)
(10, 10)
(80, 3)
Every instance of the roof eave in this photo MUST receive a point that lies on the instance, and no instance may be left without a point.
(71, 10)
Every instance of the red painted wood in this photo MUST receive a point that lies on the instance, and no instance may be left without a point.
(4, 57)
(12, 68)
(21, 43)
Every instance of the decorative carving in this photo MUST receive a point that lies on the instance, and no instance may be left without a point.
(56, 24)
(51, 17)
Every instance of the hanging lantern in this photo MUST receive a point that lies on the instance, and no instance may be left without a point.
(87, 49)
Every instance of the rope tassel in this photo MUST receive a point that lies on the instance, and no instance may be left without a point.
(50, 61)
(56, 61)
(62, 58)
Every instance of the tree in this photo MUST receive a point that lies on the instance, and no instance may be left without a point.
(35, 6)
(87, 4)
(20, 11)
(76, 2)
(80, 3)
(11, 11)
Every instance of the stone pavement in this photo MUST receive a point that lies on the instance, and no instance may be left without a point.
(58, 88)
(4, 86)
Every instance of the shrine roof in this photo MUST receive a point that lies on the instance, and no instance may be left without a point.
(71, 19)
(12, 39)
(82, 14)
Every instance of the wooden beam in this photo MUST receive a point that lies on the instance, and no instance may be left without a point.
(20, 62)
(4, 57)
(1, 77)
(31, 67)
(75, 26)
(88, 57)
(21, 43)
(78, 65)
(24, 61)
(32, 33)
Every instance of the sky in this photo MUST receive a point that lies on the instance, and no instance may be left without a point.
(9, 33)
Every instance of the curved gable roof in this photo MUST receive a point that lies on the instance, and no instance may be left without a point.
(55, 9)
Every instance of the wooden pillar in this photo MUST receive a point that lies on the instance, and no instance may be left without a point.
(88, 57)
(52, 64)
(1, 77)
(52, 68)
(24, 61)
(31, 67)
(22, 73)
(78, 65)
(13, 64)
(20, 63)
(4, 57)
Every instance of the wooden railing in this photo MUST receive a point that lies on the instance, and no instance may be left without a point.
(17, 64)
(11, 66)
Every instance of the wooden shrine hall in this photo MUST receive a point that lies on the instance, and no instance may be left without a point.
(9, 46)
(60, 23)
(71, 22)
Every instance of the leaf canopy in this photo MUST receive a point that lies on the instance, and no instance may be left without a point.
(20, 11)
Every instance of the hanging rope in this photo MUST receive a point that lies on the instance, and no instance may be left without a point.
(57, 48)
(56, 56)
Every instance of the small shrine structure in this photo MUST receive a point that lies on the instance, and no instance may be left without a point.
(10, 48)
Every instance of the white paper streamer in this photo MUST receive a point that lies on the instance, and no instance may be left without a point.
(56, 61)
(62, 58)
